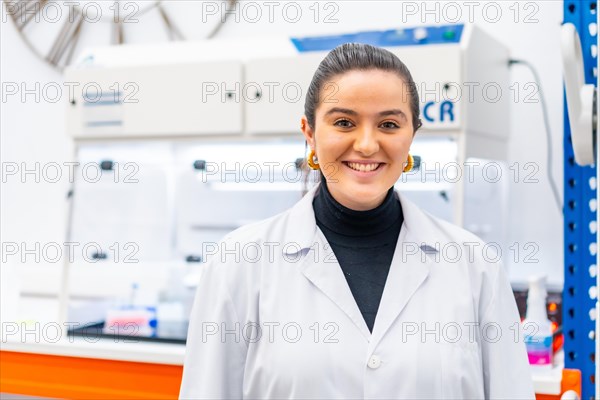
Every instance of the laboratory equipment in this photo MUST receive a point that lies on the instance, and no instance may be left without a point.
(581, 97)
(193, 140)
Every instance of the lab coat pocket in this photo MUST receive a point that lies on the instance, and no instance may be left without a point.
(462, 376)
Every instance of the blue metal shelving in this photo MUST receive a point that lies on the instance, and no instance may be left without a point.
(580, 188)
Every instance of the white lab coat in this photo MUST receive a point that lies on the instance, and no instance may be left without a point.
(274, 318)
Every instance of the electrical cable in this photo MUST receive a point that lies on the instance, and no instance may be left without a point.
(158, 4)
(218, 27)
(536, 77)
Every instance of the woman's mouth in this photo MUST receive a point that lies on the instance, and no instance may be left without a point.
(362, 167)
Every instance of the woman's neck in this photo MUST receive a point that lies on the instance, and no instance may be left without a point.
(339, 218)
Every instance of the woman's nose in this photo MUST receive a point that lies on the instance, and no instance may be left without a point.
(366, 142)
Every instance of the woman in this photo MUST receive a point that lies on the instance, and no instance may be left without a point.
(346, 294)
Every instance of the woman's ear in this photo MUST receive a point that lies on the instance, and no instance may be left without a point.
(307, 132)
(419, 125)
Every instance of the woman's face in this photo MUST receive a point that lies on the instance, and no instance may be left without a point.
(363, 132)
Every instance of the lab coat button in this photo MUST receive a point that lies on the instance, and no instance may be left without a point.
(374, 362)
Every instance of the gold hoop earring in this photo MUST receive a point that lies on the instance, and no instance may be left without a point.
(311, 161)
(410, 163)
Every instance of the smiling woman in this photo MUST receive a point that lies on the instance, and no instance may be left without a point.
(352, 298)
(361, 114)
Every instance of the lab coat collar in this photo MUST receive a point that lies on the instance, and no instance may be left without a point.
(302, 226)
(410, 266)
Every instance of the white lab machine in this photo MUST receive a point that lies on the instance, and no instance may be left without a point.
(207, 133)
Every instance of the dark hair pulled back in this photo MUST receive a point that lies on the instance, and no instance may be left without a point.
(362, 57)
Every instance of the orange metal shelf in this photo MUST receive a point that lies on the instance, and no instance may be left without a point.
(86, 378)
(571, 380)
(90, 378)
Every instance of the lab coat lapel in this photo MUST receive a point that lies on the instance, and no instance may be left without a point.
(318, 263)
(322, 268)
(408, 271)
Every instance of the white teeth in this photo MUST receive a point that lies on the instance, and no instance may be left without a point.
(362, 167)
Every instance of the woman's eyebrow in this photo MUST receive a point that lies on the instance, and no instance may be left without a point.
(393, 112)
(348, 111)
(341, 110)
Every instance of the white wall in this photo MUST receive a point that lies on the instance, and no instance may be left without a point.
(34, 131)
(30, 132)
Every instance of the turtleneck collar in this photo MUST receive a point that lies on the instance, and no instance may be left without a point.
(343, 220)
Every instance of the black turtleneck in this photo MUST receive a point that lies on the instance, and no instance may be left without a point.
(363, 243)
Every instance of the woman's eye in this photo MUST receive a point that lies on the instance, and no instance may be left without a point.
(390, 125)
(343, 123)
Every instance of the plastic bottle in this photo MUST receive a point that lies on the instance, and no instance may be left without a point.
(131, 317)
(537, 328)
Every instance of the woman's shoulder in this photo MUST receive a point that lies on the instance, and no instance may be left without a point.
(452, 231)
(436, 228)
(291, 225)
(261, 230)
(440, 235)
(249, 244)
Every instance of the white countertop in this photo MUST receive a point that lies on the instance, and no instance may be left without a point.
(103, 348)
(547, 382)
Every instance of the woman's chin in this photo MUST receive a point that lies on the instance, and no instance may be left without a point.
(362, 196)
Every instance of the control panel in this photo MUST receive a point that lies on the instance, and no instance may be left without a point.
(445, 34)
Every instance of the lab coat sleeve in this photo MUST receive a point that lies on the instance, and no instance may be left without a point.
(506, 370)
(214, 359)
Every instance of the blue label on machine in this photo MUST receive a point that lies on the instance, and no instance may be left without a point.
(438, 112)
(390, 38)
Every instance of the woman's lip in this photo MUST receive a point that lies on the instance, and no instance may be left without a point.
(365, 173)
(363, 161)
